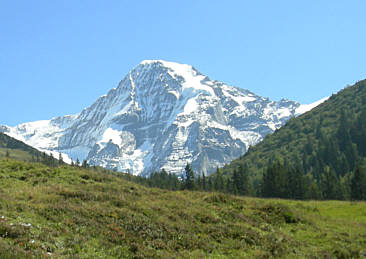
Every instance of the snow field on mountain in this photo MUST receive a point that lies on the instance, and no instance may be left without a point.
(162, 115)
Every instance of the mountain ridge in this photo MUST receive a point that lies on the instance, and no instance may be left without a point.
(161, 115)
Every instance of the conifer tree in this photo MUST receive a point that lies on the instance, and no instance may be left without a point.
(243, 180)
(312, 192)
(189, 178)
(271, 183)
(235, 180)
(330, 185)
(219, 181)
(199, 182)
(85, 163)
(50, 160)
(210, 184)
(204, 184)
(60, 159)
(228, 187)
(295, 183)
(358, 185)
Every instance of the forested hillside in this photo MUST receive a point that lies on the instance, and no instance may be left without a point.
(11, 143)
(319, 152)
(13, 148)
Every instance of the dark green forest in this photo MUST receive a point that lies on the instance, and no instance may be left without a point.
(318, 155)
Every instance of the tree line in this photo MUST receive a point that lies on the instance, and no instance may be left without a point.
(279, 181)
(284, 181)
(51, 161)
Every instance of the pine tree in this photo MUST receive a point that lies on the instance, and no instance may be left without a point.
(219, 181)
(51, 161)
(243, 180)
(85, 163)
(77, 162)
(228, 187)
(199, 182)
(210, 184)
(295, 180)
(346, 145)
(330, 185)
(235, 180)
(358, 133)
(313, 192)
(273, 181)
(309, 145)
(204, 184)
(358, 184)
(60, 159)
(268, 182)
(189, 178)
(7, 154)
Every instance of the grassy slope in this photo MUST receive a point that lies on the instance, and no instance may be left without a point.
(11, 143)
(16, 154)
(17, 149)
(75, 213)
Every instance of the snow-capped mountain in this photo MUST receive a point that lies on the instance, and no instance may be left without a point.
(161, 115)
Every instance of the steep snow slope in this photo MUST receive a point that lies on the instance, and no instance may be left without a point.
(307, 107)
(162, 115)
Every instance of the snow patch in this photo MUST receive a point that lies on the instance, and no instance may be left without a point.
(192, 79)
(75, 153)
(239, 99)
(38, 134)
(111, 135)
(307, 107)
(191, 106)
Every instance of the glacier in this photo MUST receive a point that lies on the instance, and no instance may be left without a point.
(162, 115)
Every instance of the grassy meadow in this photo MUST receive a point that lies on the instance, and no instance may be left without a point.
(68, 212)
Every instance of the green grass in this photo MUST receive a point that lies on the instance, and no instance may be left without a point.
(16, 154)
(73, 213)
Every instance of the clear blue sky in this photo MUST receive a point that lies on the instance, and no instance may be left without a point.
(57, 57)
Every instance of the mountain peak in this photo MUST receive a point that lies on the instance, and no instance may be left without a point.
(162, 115)
(168, 64)
(176, 68)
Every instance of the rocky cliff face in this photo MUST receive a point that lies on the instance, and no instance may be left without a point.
(161, 115)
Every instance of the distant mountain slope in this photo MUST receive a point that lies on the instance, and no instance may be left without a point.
(11, 143)
(332, 134)
(13, 148)
(162, 115)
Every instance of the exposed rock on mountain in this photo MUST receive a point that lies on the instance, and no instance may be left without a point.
(162, 115)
